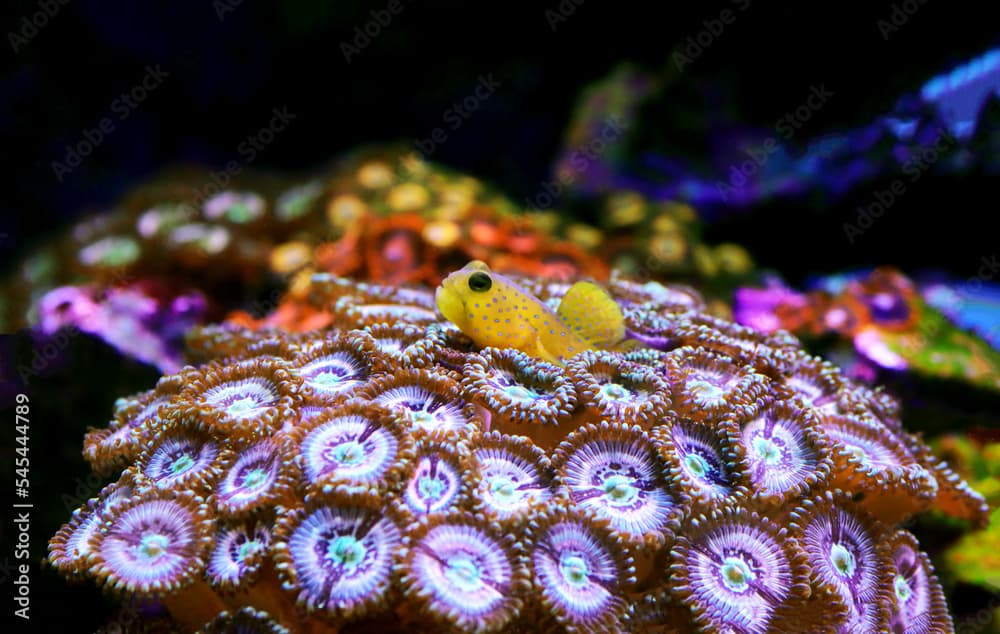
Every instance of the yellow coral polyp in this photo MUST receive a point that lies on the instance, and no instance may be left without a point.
(345, 210)
(290, 257)
(375, 174)
(441, 233)
(407, 197)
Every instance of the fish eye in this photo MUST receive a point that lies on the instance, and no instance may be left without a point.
(480, 282)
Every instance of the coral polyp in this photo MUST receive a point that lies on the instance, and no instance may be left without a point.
(338, 555)
(441, 477)
(738, 571)
(580, 569)
(849, 563)
(70, 547)
(614, 471)
(183, 458)
(700, 462)
(358, 446)
(238, 555)
(518, 388)
(255, 479)
(248, 399)
(395, 476)
(613, 388)
(515, 476)
(429, 401)
(462, 573)
(918, 604)
(784, 452)
(332, 369)
(707, 385)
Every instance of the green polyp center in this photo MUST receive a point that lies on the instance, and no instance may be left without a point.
(736, 574)
(521, 393)
(614, 392)
(239, 212)
(296, 202)
(346, 551)
(327, 378)
(153, 546)
(296, 207)
(241, 406)
(696, 465)
(902, 587)
(430, 488)
(856, 452)
(706, 391)
(422, 418)
(182, 464)
(248, 549)
(769, 452)
(619, 489)
(462, 571)
(254, 479)
(843, 560)
(120, 252)
(503, 489)
(573, 569)
(349, 453)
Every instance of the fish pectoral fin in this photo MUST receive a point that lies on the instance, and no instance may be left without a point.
(592, 314)
(542, 353)
(626, 345)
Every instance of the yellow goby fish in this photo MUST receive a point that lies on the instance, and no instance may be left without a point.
(494, 311)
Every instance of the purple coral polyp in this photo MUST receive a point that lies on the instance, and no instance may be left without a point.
(436, 483)
(153, 544)
(514, 476)
(252, 480)
(242, 399)
(736, 571)
(782, 451)
(464, 574)
(182, 459)
(238, 554)
(338, 557)
(618, 493)
(355, 446)
(614, 471)
(580, 568)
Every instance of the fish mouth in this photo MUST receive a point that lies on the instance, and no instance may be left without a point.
(449, 303)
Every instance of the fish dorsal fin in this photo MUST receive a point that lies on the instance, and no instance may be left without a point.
(592, 314)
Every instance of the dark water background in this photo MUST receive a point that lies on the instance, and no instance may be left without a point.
(226, 75)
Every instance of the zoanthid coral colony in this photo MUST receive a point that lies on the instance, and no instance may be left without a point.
(384, 473)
